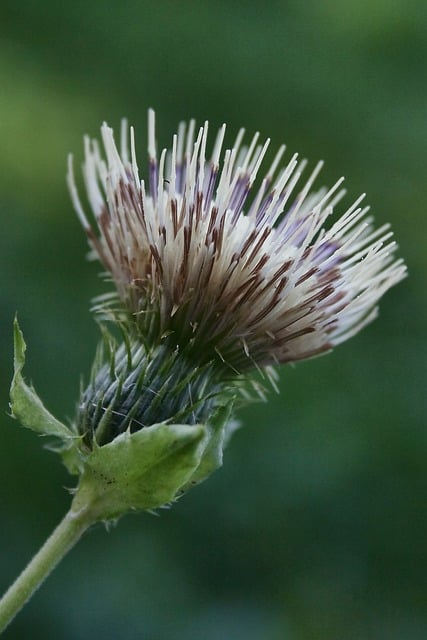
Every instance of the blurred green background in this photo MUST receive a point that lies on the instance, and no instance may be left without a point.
(315, 528)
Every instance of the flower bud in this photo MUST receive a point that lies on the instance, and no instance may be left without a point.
(134, 386)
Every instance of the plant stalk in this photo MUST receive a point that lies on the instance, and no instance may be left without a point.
(62, 539)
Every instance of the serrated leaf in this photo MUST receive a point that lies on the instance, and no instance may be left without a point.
(142, 470)
(25, 404)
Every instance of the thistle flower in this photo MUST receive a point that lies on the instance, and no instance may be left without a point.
(243, 271)
(216, 273)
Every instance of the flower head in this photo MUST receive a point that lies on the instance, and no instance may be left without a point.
(216, 272)
(247, 271)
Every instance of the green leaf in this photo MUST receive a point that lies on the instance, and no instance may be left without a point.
(25, 404)
(141, 470)
(212, 456)
(216, 440)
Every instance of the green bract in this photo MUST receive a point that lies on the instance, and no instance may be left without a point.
(144, 469)
(25, 404)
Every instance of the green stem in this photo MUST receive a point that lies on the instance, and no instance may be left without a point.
(63, 538)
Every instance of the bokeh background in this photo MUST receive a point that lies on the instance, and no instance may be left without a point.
(316, 526)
